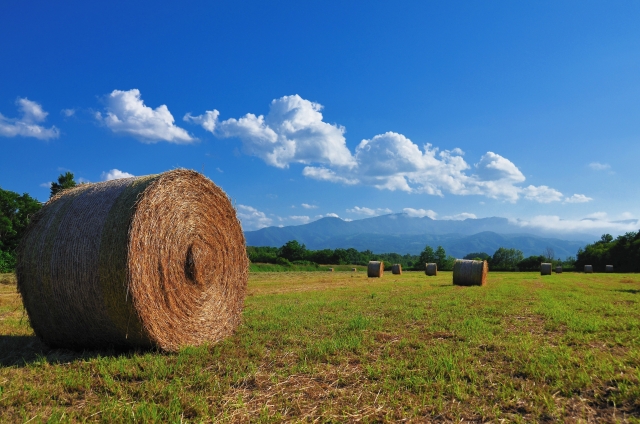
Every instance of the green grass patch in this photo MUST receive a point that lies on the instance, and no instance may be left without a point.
(342, 347)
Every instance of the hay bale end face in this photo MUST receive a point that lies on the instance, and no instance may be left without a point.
(608, 268)
(396, 269)
(470, 273)
(375, 269)
(588, 269)
(145, 262)
(354, 269)
(558, 270)
(330, 269)
(431, 269)
(545, 268)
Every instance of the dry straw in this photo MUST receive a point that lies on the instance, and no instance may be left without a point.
(545, 268)
(470, 273)
(558, 270)
(375, 269)
(156, 261)
(588, 269)
(396, 269)
(608, 268)
(431, 269)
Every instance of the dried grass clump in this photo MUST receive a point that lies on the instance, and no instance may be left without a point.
(155, 261)
(375, 269)
(558, 269)
(470, 273)
(396, 269)
(588, 269)
(431, 269)
(545, 268)
(608, 268)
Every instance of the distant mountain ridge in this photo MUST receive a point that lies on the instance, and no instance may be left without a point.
(402, 234)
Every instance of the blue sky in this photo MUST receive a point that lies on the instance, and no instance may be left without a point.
(298, 110)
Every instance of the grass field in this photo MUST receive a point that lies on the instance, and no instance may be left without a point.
(335, 347)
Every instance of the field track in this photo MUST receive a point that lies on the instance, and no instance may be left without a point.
(337, 346)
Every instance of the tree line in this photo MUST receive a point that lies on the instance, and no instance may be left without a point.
(622, 252)
(15, 213)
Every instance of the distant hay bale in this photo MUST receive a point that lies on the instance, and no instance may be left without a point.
(588, 269)
(470, 273)
(354, 269)
(375, 269)
(545, 268)
(608, 268)
(558, 269)
(155, 261)
(431, 269)
(330, 269)
(396, 269)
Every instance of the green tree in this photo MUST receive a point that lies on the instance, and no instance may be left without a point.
(506, 259)
(15, 213)
(426, 256)
(293, 251)
(477, 256)
(65, 181)
(441, 258)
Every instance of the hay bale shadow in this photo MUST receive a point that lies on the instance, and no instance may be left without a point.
(632, 291)
(21, 351)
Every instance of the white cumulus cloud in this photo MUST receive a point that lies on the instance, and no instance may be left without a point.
(308, 206)
(292, 132)
(28, 124)
(115, 174)
(300, 218)
(126, 113)
(420, 213)
(252, 219)
(542, 194)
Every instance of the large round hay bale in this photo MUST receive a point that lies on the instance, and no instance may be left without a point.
(375, 269)
(608, 268)
(354, 269)
(545, 268)
(431, 269)
(155, 261)
(558, 269)
(470, 273)
(588, 269)
(396, 269)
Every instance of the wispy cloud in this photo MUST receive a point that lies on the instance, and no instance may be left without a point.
(126, 113)
(460, 216)
(593, 223)
(368, 211)
(28, 124)
(308, 206)
(68, 112)
(577, 198)
(252, 219)
(597, 166)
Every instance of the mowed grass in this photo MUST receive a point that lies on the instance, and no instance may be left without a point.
(336, 347)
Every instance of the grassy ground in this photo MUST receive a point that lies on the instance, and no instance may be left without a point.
(338, 347)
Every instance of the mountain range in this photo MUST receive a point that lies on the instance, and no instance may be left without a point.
(401, 233)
